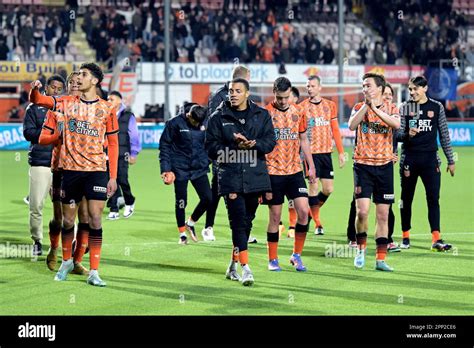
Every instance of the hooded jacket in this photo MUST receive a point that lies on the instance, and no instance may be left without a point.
(182, 149)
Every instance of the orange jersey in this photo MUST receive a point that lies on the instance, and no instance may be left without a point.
(83, 136)
(285, 157)
(319, 117)
(374, 138)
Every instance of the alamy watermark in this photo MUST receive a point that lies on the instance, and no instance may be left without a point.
(237, 156)
(339, 250)
(8, 250)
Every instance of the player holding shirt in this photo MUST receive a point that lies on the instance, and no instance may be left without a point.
(322, 129)
(286, 174)
(374, 121)
(88, 120)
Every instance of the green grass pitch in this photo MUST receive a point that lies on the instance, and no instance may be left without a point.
(148, 273)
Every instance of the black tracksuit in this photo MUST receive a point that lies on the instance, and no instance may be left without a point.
(420, 158)
(182, 152)
(240, 181)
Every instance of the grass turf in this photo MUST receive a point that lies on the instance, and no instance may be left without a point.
(148, 273)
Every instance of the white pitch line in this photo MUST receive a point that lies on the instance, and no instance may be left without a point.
(226, 242)
(445, 234)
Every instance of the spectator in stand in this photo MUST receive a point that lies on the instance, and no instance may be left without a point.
(4, 50)
(328, 53)
(363, 50)
(313, 48)
(391, 53)
(61, 44)
(49, 35)
(65, 17)
(379, 59)
(26, 39)
(38, 36)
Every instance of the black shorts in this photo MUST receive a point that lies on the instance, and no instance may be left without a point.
(75, 185)
(374, 181)
(323, 166)
(56, 187)
(292, 186)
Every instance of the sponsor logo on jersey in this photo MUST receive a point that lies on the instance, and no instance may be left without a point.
(318, 122)
(285, 134)
(423, 125)
(82, 127)
(374, 128)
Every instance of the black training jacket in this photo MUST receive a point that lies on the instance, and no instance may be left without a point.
(237, 176)
(182, 149)
(38, 155)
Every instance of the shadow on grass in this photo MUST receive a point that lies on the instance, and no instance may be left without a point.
(159, 266)
(377, 298)
(223, 301)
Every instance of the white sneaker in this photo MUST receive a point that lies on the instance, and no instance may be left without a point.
(208, 234)
(128, 211)
(94, 279)
(120, 202)
(113, 216)
(231, 272)
(247, 276)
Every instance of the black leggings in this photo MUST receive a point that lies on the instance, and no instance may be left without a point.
(241, 212)
(351, 231)
(427, 168)
(201, 185)
(211, 211)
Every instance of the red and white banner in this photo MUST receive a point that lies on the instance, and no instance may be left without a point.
(396, 74)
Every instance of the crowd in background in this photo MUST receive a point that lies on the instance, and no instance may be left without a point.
(251, 31)
(418, 31)
(36, 32)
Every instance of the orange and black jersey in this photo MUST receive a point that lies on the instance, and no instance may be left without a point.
(374, 138)
(322, 125)
(288, 124)
(84, 128)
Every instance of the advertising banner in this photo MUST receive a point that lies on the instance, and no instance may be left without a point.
(11, 135)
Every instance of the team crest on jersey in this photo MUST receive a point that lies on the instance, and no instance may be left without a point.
(294, 118)
(430, 114)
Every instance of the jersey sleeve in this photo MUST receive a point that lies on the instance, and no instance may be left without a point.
(333, 111)
(112, 124)
(303, 126)
(49, 133)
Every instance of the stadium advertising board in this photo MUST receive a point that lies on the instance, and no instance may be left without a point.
(11, 135)
(260, 73)
(16, 71)
(396, 74)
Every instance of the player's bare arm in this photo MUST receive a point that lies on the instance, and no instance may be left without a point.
(357, 117)
(392, 121)
(304, 142)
